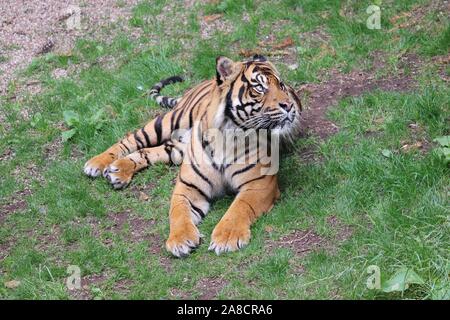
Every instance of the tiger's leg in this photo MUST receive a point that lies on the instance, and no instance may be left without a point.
(120, 172)
(254, 198)
(189, 204)
(96, 165)
(152, 134)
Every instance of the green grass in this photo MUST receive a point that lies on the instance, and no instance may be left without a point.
(395, 205)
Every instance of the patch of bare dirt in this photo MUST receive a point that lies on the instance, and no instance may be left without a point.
(211, 24)
(53, 148)
(414, 18)
(179, 294)
(157, 248)
(442, 62)
(142, 192)
(303, 242)
(5, 248)
(417, 142)
(16, 203)
(300, 242)
(309, 154)
(87, 283)
(139, 230)
(123, 286)
(32, 28)
(323, 95)
(47, 239)
(342, 231)
(138, 227)
(209, 288)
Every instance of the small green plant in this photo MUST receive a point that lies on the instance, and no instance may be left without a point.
(444, 149)
(401, 280)
(73, 121)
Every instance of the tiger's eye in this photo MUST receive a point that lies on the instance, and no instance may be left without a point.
(259, 88)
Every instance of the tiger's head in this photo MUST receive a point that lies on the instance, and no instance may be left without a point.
(255, 97)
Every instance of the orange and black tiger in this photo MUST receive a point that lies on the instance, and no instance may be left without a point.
(244, 97)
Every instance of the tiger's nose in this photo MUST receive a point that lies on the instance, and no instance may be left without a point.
(286, 106)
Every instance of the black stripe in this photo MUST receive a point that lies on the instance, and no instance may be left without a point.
(168, 150)
(189, 105)
(200, 212)
(243, 169)
(193, 186)
(201, 174)
(191, 111)
(243, 184)
(121, 148)
(139, 143)
(177, 123)
(229, 105)
(147, 139)
(172, 118)
(197, 209)
(134, 162)
(190, 118)
(123, 144)
(218, 78)
(144, 155)
(158, 129)
(171, 80)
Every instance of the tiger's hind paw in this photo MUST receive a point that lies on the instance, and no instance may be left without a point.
(119, 173)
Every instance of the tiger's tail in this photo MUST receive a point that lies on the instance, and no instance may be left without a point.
(163, 101)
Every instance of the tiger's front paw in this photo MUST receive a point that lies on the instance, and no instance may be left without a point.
(229, 236)
(120, 172)
(95, 166)
(183, 240)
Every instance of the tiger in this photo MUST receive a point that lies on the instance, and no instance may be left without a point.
(243, 96)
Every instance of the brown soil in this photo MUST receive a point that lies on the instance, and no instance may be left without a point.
(87, 283)
(303, 242)
(5, 248)
(157, 248)
(300, 242)
(31, 28)
(17, 203)
(138, 227)
(321, 96)
(209, 288)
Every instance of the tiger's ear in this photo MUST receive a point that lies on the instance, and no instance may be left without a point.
(224, 69)
(260, 58)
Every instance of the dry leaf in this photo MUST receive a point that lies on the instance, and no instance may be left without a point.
(268, 229)
(143, 196)
(287, 42)
(213, 17)
(249, 52)
(409, 147)
(379, 120)
(402, 15)
(284, 44)
(443, 60)
(12, 284)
